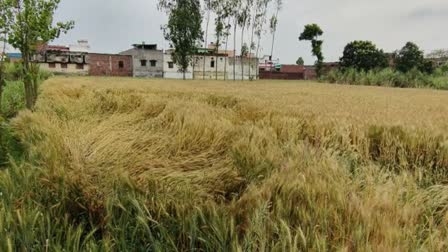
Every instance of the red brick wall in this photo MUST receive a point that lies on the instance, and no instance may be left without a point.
(274, 75)
(108, 65)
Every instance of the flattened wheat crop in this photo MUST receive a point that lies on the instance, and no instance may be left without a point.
(119, 164)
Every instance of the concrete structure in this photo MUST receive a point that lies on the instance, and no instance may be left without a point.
(170, 69)
(147, 60)
(110, 65)
(59, 60)
(210, 65)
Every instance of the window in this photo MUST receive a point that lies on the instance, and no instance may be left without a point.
(170, 65)
(51, 65)
(143, 63)
(64, 65)
(212, 63)
(79, 66)
(153, 63)
(120, 64)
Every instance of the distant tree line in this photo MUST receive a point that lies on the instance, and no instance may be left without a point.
(365, 56)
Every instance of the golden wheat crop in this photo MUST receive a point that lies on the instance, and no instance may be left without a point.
(269, 165)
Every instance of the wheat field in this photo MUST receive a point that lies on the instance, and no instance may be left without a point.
(122, 164)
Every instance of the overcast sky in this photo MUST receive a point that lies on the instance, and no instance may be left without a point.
(112, 26)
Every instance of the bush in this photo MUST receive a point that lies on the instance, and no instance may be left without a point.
(13, 71)
(388, 77)
(13, 98)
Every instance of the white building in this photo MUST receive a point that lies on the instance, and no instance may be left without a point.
(209, 65)
(171, 70)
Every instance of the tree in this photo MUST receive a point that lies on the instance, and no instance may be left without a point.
(236, 5)
(363, 55)
(300, 61)
(311, 33)
(259, 26)
(5, 24)
(184, 32)
(227, 14)
(410, 57)
(243, 20)
(208, 8)
(32, 24)
(219, 31)
(273, 25)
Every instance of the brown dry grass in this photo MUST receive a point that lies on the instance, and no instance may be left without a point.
(254, 165)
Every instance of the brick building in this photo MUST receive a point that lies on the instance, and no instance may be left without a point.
(110, 64)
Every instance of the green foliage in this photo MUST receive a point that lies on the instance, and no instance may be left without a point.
(13, 99)
(184, 31)
(363, 55)
(300, 61)
(311, 32)
(410, 57)
(13, 71)
(10, 146)
(31, 23)
(387, 77)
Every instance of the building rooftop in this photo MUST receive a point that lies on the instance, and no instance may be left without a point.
(145, 46)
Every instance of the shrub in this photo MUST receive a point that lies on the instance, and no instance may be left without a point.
(13, 98)
(387, 77)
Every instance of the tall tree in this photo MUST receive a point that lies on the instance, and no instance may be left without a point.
(243, 21)
(300, 61)
(259, 26)
(208, 9)
(273, 26)
(184, 32)
(32, 24)
(312, 33)
(224, 15)
(219, 30)
(235, 14)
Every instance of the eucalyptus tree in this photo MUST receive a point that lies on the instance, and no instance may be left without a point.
(33, 24)
(274, 23)
(236, 5)
(259, 26)
(243, 21)
(259, 16)
(207, 8)
(227, 15)
(219, 30)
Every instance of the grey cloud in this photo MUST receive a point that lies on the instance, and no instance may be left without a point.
(429, 12)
